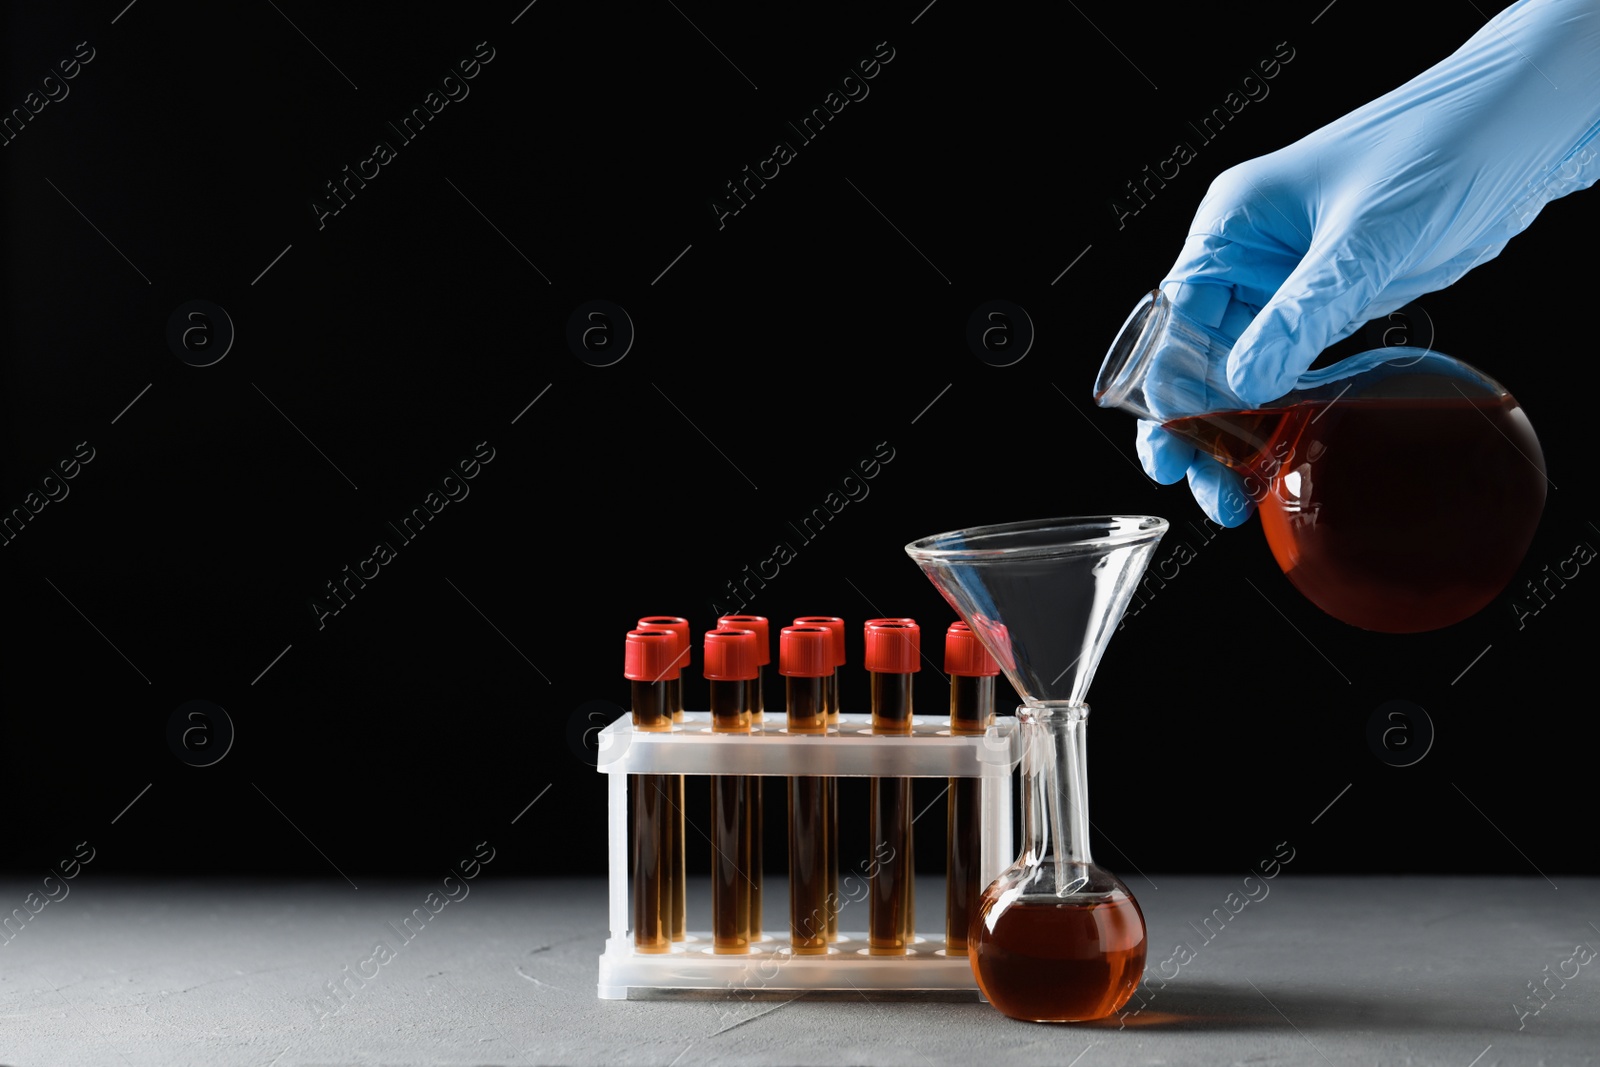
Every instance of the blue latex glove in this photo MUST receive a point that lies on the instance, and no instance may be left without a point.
(1295, 250)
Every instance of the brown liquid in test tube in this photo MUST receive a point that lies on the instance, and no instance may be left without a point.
(835, 626)
(757, 625)
(805, 658)
(730, 666)
(911, 865)
(972, 671)
(673, 824)
(649, 662)
(893, 655)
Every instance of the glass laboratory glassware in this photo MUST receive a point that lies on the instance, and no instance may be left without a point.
(835, 626)
(805, 659)
(672, 842)
(1398, 489)
(1056, 937)
(971, 670)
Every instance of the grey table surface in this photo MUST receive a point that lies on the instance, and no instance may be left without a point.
(1375, 970)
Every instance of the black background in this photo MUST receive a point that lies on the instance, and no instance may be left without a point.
(772, 355)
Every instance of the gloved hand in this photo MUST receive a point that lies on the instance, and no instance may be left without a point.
(1295, 250)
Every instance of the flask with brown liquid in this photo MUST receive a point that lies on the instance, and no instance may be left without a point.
(1398, 489)
(1056, 938)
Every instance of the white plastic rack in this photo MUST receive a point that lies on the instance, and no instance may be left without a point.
(850, 751)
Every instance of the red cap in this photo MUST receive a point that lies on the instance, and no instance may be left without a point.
(805, 651)
(758, 623)
(964, 653)
(832, 622)
(893, 646)
(650, 656)
(677, 625)
(731, 655)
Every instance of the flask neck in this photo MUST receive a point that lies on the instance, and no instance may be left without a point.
(1165, 364)
(1055, 787)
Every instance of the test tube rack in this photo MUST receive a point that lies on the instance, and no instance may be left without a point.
(849, 750)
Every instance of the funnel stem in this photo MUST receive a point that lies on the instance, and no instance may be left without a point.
(1055, 784)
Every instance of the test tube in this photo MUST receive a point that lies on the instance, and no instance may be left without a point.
(835, 626)
(730, 667)
(972, 671)
(893, 650)
(909, 883)
(680, 626)
(673, 824)
(650, 663)
(805, 658)
(757, 624)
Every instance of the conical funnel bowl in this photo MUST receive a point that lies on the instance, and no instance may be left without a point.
(1043, 596)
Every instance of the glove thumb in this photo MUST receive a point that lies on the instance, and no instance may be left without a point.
(1324, 299)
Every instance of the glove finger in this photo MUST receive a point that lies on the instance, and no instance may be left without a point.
(1166, 458)
(1219, 492)
(1248, 268)
(1326, 297)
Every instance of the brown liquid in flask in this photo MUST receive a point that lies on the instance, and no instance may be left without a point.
(1395, 514)
(1059, 962)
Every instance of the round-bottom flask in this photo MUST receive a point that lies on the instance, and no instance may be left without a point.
(1056, 938)
(1399, 489)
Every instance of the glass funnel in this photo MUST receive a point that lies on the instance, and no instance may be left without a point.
(1398, 489)
(1055, 938)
